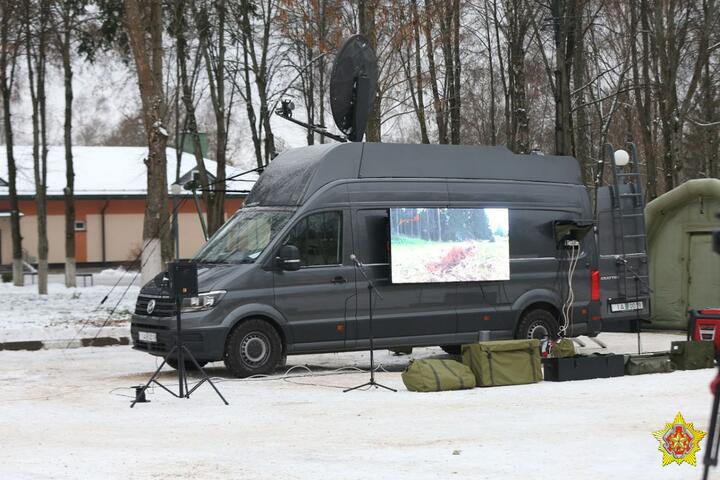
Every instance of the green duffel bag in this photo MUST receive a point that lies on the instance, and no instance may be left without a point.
(505, 362)
(691, 355)
(434, 375)
(563, 349)
(646, 363)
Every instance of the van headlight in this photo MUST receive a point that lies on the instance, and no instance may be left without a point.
(204, 301)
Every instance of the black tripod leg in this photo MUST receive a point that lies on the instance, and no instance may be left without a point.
(358, 387)
(383, 386)
(205, 378)
(152, 379)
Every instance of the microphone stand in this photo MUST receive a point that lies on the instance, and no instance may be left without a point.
(370, 288)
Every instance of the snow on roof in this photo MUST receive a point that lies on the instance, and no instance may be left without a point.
(107, 170)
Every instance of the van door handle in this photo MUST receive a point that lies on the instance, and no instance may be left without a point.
(339, 279)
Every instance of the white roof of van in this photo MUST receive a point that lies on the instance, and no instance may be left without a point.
(106, 170)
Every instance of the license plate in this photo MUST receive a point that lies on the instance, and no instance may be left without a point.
(627, 307)
(147, 337)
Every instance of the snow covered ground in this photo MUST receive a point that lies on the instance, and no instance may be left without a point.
(64, 414)
(66, 313)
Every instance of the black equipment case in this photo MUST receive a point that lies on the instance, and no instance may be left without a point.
(583, 368)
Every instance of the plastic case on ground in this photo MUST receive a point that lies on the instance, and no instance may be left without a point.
(583, 368)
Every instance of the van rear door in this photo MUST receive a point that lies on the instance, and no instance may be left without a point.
(624, 287)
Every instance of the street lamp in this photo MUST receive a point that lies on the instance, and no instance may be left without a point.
(622, 158)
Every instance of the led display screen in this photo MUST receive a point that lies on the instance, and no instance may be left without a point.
(429, 245)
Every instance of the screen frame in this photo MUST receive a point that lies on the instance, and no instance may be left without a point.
(435, 207)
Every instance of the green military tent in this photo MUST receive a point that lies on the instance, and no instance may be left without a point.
(684, 271)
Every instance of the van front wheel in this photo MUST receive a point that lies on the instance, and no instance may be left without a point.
(253, 348)
(538, 323)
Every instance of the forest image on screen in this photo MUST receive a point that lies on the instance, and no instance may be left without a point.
(429, 245)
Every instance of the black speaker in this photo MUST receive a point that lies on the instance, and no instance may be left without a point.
(183, 278)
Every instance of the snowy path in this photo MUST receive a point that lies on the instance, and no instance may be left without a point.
(60, 420)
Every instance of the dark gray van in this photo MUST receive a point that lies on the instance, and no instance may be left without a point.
(278, 279)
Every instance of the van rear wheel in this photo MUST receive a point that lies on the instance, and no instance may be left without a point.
(538, 323)
(253, 348)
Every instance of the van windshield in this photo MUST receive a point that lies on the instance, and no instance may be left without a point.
(243, 238)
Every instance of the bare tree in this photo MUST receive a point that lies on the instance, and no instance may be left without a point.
(66, 15)
(366, 23)
(10, 43)
(255, 28)
(36, 22)
(211, 23)
(519, 15)
(681, 31)
(144, 25)
(643, 88)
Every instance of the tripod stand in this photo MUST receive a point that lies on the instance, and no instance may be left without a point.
(370, 288)
(179, 272)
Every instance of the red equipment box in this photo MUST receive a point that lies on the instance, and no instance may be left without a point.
(704, 324)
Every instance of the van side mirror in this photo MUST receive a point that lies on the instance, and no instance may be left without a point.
(289, 258)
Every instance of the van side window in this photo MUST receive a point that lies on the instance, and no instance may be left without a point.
(317, 236)
(373, 235)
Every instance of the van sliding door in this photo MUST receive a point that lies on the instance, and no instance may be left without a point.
(408, 314)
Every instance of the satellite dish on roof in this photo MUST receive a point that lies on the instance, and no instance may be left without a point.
(352, 86)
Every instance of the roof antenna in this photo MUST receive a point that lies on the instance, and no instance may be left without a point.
(353, 83)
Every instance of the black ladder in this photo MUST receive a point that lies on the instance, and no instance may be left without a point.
(628, 215)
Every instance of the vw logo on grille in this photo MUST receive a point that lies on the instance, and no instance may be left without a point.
(150, 306)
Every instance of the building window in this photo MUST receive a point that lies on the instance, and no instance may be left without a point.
(80, 226)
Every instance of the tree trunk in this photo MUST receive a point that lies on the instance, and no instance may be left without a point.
(36, 61)
(418, 74)
(582, 141)
(432, 70)
(455, 111)
(518, 26)
(148, 62)
(643, 92)
(503, 76)
(8, 58)
(366, 20)
(189, 104)
(564, 46)
(491, 71)
(711, 133)
(217, 218)
(69, 192)
(444, 12)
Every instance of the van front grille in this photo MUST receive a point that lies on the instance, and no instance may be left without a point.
(164, 307)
